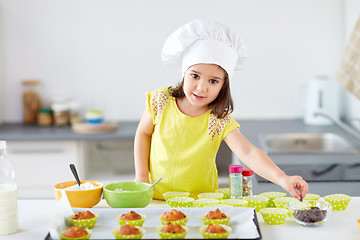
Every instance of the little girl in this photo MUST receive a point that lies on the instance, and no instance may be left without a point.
(182, 127)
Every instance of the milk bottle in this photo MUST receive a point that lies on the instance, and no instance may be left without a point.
(8, 194)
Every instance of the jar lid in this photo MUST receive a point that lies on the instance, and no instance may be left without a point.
(247, 172)
(45, 110)
(235, 169)
(59, 107)
(31, 82)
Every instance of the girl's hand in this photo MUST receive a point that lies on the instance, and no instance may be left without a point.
(293, 183)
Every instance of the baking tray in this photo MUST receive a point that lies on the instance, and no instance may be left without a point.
(243, 221)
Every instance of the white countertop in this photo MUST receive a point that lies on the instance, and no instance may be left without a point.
(35, 217)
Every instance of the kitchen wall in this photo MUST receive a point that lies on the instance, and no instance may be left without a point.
(106, 53)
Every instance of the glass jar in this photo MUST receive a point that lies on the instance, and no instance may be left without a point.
(235, 181)
(61, 114)
(8, 194)
(45, 117)
(31, 100)
(247, 182)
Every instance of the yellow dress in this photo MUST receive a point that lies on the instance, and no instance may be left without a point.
(183, 149)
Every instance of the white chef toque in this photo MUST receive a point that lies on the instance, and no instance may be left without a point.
(202, 41)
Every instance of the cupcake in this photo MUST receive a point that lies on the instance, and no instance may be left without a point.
(174, 216)
(84, 219)
(225, 191)
(272, 196)
(131, 218)
(215, 217)
(213, 195)
(172, 231)
(215, 231)
(128, 232)
(75, 232)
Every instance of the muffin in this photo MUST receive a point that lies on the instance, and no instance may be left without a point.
(84, 219)
(128, 232)
(174, 216)
(215, 231)
(215, 217)
(75, 232)
(131, 218)
(172, 231)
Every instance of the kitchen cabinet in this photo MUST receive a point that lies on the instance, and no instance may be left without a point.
(39, 165)
(109, 161)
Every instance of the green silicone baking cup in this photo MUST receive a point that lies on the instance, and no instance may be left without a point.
(84, 223)
(213, 195)
(272, 196)
(172, 194)
(215, 235)
(180, 222)
(225, 191)
(172, 235)
(339, 201)
(202, 202)
(180, 202)
(218, 205)
(138, 222)
(311, 196)
(281, 202)
(135, 236)
(257, 201)
(274, 216)
(206, 221)
(235, 202)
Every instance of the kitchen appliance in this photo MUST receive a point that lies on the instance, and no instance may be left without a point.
(318, 95)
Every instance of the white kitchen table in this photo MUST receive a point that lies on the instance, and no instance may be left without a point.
(35, 216)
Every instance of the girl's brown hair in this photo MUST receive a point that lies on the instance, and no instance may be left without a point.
(221, 106)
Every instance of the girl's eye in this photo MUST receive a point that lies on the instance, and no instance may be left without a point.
(195, 76)
(213, 81)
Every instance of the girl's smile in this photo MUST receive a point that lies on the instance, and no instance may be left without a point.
(202, 84)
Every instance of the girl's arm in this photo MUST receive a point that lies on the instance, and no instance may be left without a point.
(142, 147)
(258, 161)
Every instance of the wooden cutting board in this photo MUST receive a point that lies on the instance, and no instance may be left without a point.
(94, 128)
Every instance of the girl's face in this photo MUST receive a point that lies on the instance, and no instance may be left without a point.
(202, 84)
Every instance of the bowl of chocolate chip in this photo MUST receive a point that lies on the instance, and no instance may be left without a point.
(310, 213)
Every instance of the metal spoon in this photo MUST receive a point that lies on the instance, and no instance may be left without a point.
(73, 169)
(154, 183)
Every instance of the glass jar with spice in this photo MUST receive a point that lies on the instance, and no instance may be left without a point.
(61, 113)
(235, 181)
(31, 100)
(247, 182)
(45, 117)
